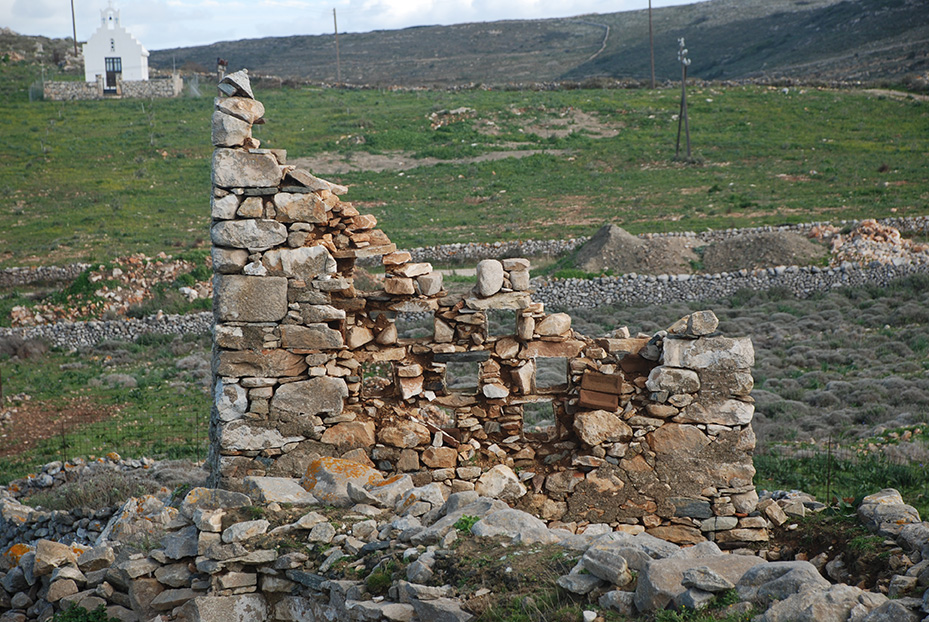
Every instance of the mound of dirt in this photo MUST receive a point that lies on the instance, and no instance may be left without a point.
(762, 250)
(613, 248)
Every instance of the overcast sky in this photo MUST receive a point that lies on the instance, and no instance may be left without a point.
(161, 24)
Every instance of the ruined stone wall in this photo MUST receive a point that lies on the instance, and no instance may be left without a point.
(136, 89)
(646, 433)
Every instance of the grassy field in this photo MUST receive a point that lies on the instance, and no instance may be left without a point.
(91, 180)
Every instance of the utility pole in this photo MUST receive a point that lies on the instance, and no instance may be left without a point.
(682, 117)
(74, 27)
(651, 41)
(338, 60)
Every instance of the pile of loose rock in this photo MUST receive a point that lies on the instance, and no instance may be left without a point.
(216, 556)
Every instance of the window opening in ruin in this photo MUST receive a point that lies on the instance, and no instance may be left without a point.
(376, 379)
(462, 376)
(414, 326)
(538, 416)
(551, 373)
(501, 322)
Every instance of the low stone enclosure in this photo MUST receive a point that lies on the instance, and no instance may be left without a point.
(170, 86)
(644, 433)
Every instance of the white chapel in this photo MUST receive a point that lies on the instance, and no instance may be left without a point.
(113, 52)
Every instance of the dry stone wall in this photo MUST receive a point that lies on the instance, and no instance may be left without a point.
(156, 87)
(645, 433)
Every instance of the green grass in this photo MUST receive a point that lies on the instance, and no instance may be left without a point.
(89, 180)
(164, 416)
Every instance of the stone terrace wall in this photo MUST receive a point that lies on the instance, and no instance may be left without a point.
(647, 433)
(137, 89)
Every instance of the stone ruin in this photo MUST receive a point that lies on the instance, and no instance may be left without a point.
(642, 433)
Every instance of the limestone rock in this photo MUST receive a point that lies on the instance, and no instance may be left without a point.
(726, 412)
(239, 436)
(404, 434)
(306, 262)
(660, 581)
(237, 168)
(244, 108)
(600, 426)
(712, 353)
(50, 555)
(514, 524)
(292, 207)
(212, 499)
(554, 325)
(228, 260)
(261, 364)
(778, 581)
(229, 131)
(327, 479)
(240, 532)
(704, 578)
(316, 396)
(252, 234)
(278, 490)
(489, 277)
(440, 610)
(885, 512)
(673, 380)
(350, 435)
(238, 608)
(605, 562)
(500, 482)
(830, 603)
(242, 298)
(312, 337)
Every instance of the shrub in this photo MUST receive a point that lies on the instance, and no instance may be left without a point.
(78, 614)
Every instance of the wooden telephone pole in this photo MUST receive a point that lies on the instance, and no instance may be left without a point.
(651, 41)
(74, 27)
(338, 60)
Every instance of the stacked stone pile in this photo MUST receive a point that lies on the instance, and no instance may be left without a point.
(872, 242)
(208, 558)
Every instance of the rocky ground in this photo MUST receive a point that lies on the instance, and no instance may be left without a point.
(390, 550)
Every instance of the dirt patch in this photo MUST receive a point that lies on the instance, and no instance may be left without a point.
(763, 250)
(31, 422)
(854, 555)
(330, 163)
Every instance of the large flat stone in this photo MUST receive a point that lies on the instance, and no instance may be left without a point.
(254, 235)
(261, 363)
(241, 298)
(660, 581)
(315, 396)
(327, 479)
(278, 490)
(312, 337)
(715, 353)
(725, 412)
(239, 608)
(293, 207)
(237, 168)
(306, 262)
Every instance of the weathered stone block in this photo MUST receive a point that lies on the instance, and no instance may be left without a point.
(600, 426)
(312, 337)
(293, 207)
(306, 262)
(323, 395)
(237, 168)
(253, 234)
(709, 353)
(229, 131)
(241, 298)
(264, 363)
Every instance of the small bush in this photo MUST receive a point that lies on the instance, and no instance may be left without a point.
(466, 522)
(78, 614)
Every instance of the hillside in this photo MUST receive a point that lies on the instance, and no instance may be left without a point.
(728, 39)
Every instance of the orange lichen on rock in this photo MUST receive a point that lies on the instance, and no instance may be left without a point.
(16, 552)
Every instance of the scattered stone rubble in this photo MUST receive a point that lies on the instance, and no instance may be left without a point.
(649, 433)
(211, 557)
